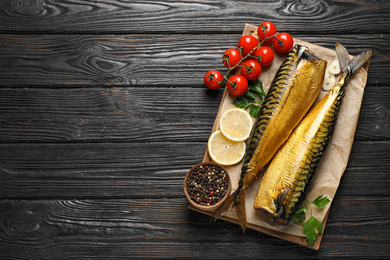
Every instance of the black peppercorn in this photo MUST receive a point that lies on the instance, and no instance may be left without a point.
(205, 184)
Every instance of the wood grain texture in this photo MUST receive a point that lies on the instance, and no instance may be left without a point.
(374, 125)
(108, 115)
(97, 169)
(113, 16)
(145, 170)
(136, 228)
(143, 60)
(103, 111)
(139, 114)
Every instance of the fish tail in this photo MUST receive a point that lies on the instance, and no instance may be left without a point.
(241, 211)
(227, 204)
(236, 200)
(353, 64)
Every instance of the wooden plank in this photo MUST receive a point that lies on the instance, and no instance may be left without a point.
(162, 228)
(96, 169)
(101, 114)
(139, 115)
(374, 119)
(114, 16)
(143, 60)
(146, 170)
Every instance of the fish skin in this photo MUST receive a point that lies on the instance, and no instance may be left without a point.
(292, 92)
(288, 177)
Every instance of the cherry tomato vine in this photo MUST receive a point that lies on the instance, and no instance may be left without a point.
(249, 56)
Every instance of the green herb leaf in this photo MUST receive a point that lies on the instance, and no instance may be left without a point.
(300, 215)
(258, 88)
(321, 201)
(252, 99)
(254, 110)
(241, 103)
(312, 227)
(251, 95)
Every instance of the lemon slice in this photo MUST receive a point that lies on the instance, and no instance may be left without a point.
(225, 151)
(236, 124)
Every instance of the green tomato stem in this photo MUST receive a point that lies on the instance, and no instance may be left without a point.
(248, 55)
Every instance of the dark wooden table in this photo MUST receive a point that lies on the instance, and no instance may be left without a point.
(103, 111)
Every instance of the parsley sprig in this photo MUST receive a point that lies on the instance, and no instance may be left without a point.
(312, 227)
(252, 99)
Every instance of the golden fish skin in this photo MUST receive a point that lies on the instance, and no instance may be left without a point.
(294, 89)
(292, 92)
(286, 181)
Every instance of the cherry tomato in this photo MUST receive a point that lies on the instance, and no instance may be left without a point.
(283, 42)
(270, 30)
(266, 54)
(212, 78)
(231, 57)
(251, 69)
(247, 44)
(237, 85)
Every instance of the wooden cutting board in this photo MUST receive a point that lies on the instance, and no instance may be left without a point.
(349, 113)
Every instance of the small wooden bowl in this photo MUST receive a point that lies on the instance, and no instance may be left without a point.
(205, 207)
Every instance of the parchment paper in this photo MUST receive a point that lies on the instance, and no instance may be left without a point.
(333, 163)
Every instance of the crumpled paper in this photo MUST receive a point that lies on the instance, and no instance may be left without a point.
(334, 161)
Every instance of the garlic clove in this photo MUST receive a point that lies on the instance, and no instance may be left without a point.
(329, 81)
(334, 67)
